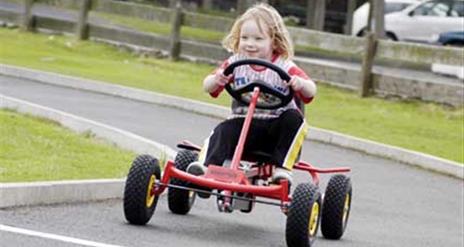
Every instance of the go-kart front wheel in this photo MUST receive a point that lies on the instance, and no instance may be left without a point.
(139, 202)
(303, 216)
(181, 201)
(336, 207)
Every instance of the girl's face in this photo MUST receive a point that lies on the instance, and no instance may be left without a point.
(254, 43)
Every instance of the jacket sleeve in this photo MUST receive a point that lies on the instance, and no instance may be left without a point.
(296, 71)
(218, 91)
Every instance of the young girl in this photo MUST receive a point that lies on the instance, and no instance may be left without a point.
(259, 33)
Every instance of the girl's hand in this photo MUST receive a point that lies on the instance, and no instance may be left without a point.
(306, 88)
(220, 79)
(296, 83)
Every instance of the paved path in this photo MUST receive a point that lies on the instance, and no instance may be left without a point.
(393, 204)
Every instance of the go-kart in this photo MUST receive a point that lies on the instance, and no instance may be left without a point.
(241, 183)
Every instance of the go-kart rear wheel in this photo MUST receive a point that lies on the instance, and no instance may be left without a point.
(303, 216)
(336, 207)
(181, 201)
(139, 202)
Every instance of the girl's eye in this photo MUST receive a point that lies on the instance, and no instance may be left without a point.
(259, 38)
(243, 37)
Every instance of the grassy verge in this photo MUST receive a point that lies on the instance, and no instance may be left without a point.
(162, 28)
(34, 149)
(419, 126)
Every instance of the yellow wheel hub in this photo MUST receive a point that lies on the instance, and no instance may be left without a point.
(346, 208)
(313, 219)
(150, 199)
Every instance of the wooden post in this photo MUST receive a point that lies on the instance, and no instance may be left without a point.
(27, 22)
(349, 16)
(310, 12)
(379, 20)
(173, 3)
(207, 4)
(241, 6)
(315, 14)
(174, 49)
(319, 18)
(370, 15)
(367, 64)
(82, 29)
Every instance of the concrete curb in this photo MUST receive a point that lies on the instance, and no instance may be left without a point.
(395, 153)
(42, 193)
(18, 194)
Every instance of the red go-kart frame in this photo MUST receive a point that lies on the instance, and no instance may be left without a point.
(233, 179)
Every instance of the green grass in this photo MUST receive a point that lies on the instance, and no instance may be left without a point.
(143, 25)
(424, 127)
(34, 149)
(414, 125)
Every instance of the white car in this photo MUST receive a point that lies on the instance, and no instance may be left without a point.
(360, 14)
(424, 21)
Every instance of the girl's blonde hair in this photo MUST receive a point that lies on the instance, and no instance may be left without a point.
(267, 15)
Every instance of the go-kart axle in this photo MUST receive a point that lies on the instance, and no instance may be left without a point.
(219, 194)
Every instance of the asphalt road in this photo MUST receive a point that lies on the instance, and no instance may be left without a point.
(393, 204)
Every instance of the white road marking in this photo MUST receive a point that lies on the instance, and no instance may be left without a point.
(82, 242)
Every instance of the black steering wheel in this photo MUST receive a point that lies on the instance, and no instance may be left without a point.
(269, 97)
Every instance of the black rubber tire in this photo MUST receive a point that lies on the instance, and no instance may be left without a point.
(297, 232)
(181, 201)
(336, 209)
(136, 210)
(391, 36)
(454, 43)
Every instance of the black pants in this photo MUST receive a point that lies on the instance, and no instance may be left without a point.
(281, 137)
